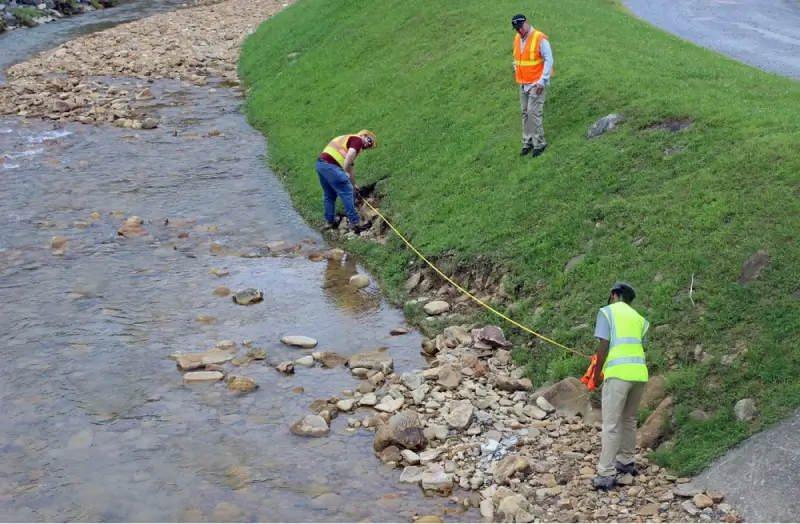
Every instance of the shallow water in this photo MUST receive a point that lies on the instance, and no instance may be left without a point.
(97, 424)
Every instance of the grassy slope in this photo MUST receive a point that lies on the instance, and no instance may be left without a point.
(434, 81)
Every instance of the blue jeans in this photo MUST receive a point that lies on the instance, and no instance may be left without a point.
(335, 182)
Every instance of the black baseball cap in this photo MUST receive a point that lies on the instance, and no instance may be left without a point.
(517, 21)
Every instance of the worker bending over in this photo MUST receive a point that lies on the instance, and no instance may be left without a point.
(622, 370)
(335, 169)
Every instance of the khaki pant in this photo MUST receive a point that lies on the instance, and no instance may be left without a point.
(532, 106)
(620, 413)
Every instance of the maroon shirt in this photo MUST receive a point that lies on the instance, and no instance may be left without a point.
(354, 141)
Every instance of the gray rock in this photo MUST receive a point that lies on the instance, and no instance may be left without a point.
(574, 262)
(607, 123)
(411, 475)
(372, 360)
(248, 296)
(460, 415)
(437, 481)
(745, 409)
(403, 429)
(493, 336)
(310, 426)
(436, 307)
(412, 380)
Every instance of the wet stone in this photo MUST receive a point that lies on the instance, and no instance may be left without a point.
(299, 341)
(248, 296)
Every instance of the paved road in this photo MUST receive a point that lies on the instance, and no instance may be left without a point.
(761, 33)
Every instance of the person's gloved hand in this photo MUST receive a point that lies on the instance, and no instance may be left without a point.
(588, 377)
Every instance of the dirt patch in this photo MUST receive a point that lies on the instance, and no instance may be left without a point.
(671, 124)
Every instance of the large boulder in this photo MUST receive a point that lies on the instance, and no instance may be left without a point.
(403, 429)
(656, 425)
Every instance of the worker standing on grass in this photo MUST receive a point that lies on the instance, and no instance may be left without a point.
(335, 169)
(533, 66)
(622, 367)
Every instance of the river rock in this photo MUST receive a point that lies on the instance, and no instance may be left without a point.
(437, 481)
(285, 367)
(248, 296)
(410, 457)
(299, 341)
(487, 509)
(390, 404)
(202, 376)
(346, 404)
(403, 429)
(257, 354)
(369, 399)
(310, 426)
(336, 254)
(460, 415)
(702, 501)
(544, 405)
(398, 331)
(509, 384)
(222, 291)
(411, 475)
(390, 455)
(510, 505)
(330, 359)
(372, 360)
(149, 123)
(436, 307)
(493, 336)
(307, 361)
(412, 380)
(428, 519)
(449, 377)
(510, 466)
(328, 501)
(241, 384)
(189, 361)
(219, 272)
(359, 281)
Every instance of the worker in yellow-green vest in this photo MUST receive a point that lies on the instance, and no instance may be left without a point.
(620, 360)
(335, 170)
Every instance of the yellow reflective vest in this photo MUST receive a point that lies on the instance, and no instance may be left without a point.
(625, 358)
(337, 148)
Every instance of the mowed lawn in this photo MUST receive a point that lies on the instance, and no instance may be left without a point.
(434, 81)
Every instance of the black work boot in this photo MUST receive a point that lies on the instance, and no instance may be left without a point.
(604, 483)
(525, 150)
(537, 152)
(626, 468)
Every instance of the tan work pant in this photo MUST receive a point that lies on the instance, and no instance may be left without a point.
(532, 106)
(620, 413)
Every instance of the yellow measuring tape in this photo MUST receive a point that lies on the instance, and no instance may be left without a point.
(487, 306)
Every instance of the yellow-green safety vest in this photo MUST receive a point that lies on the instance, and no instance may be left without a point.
(337, 148)
(625, 358)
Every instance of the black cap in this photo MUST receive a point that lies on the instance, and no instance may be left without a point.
(517, 21)
(623, 287)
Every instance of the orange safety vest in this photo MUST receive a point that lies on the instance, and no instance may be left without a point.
(529, 68)
(337, 148)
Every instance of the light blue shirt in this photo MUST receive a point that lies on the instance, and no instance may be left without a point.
(547, 54)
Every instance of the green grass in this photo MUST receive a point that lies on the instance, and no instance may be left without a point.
(27, 15)
(434, 81)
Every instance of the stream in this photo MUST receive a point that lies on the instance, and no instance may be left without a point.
(97, 423)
